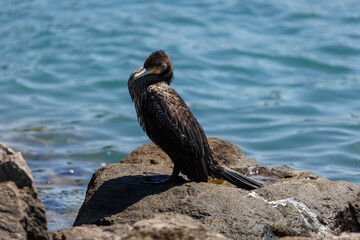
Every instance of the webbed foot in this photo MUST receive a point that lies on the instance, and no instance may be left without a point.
(159, 178)
(156, 178)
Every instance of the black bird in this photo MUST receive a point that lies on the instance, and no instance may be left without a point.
(170, 124)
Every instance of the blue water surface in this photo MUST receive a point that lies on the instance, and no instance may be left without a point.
(280, 79)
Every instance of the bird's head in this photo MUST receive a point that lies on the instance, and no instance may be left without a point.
(157, 67)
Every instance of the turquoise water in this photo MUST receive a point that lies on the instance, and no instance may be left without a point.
(280, 79)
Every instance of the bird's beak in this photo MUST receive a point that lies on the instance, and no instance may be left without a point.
(144, 72)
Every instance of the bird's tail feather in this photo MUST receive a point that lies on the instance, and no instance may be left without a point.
(235, 178)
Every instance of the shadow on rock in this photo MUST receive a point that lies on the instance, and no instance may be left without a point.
(115, 195)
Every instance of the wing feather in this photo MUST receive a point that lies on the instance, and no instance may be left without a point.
(171, 125)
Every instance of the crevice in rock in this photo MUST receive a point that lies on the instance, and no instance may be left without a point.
(348, 220)
(355, 218)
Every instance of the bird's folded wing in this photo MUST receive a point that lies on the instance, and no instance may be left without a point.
(170, 124)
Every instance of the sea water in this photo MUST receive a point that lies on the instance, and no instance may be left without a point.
(280, 79)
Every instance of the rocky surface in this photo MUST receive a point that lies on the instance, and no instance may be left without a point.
(342, 236)
(22, 214)
(163, 226)
(296, 203)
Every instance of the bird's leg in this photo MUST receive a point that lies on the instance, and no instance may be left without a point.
(159, 178)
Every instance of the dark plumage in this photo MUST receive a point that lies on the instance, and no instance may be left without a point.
(169, 123)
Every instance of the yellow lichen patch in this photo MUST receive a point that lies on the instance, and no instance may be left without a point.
(219, 181)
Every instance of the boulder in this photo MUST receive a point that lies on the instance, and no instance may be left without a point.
(162, 226)
(22, 214)
(292, 203)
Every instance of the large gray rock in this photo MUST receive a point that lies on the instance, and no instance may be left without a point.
(298, 203)
(163, 226)
(22, 214)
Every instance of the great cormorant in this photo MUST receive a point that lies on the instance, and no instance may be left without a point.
(170, 124)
